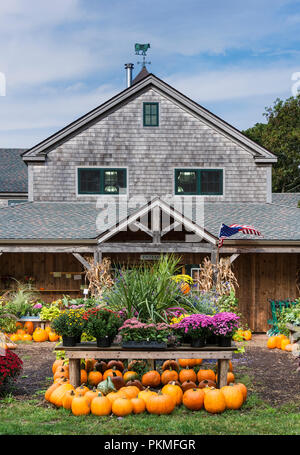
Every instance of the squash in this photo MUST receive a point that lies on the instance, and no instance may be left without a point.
(174, 391)
(136, 383)
(83, 376)
(107, 386)
(138, 405)
(187, 374)
(285, 342)
(188, 385)
(130, 376)
(160, 404)
(233, 397)
(271, 343)
(145, 394)
(58, 394)
(169, 375)
(28, 327)
(151, 379)
(115, 364)
(117, 381)
(90, 395)
(80, 405)
(68, 398)
(122, 407)
(111, 372)
(243, 389)
(40, 335)
(206, 375)
(247, 335)
(130, 391)
(100, 405)
(193, 399)
(94, 377)
(214, 401)
(170, 365)
(207, 383)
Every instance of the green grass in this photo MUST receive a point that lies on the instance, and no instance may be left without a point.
(256, 417)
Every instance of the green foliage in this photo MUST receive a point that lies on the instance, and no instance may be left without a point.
(281, 136)
(228, 303)
(101, 323)
(288, 315)
(203, 302)
(49, 313)
(69, 323)
(146, 291)
(21, 300)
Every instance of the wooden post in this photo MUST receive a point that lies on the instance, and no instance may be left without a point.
(74, 372)
(97, 256)
(223, 367)
(214, 260)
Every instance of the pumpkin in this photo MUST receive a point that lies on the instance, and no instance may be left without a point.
(61, 372)
(81, 390)
(174, 391)
(208, 388)
(48, 329)
(53, 336)
(68, 398)
(285, 342)
(80, 405)
(136, 383)
(28, 327)
(193, 399)
(94, 377)
(27, 337)
(115, 364)
(14, 337)
(271, 344)
(58, 394)
(160, 404)
(170, 365)
(279, 339)
(243, 389)
(138, 405)
(206, 374)
(198, 361)
(117, 381)
(101, 405)
(112, 396)
(187, 375)
(101, 366)
(184, 363)
(169, 375)
(122, 407)
(289, 347)
(130, 391)
(207, 383)
(106, 386)
(111, 372)
(40, 335)
(57, 363)
(145, 394)
(188, 385)
(130, 376)
(51, 389)
(214, 401)
(233, 397)
(20, 332)
(90, 395)
(19, 324)
(185, 288)
(83, 376)
(151, 379)
(247, 335)
(230, 377)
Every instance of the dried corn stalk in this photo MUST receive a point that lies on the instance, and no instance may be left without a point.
(225, 278)
(99, 277)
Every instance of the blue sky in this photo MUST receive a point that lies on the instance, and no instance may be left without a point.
(65, 57)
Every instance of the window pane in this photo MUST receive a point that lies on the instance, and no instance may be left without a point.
(186, 182)
(115, 181)
(211, 182)
(150, 114)
(89, 181)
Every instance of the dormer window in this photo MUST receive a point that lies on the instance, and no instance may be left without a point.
(150, 114)
(206, 182)
(102, 181)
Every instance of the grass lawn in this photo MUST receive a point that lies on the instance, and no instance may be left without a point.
(31, 417)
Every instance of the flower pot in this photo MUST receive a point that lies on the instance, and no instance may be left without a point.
(78, 339)
(198, 342)
(143, 345)
(212, 339)
(224, 342)
(69, 341)
(103, 342)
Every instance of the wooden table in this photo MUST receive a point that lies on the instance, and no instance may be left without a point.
(89, 350)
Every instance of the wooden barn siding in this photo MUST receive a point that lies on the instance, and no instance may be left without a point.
(39, 266)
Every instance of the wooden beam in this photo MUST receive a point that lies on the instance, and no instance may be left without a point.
(156, 247)
(169, 228)
(233, 257)
(144, 228)
(214, 260)
(82, 260)
(47, 249)
(97, 257)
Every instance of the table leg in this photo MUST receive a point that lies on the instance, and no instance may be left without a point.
(223, 367)
(74, 372)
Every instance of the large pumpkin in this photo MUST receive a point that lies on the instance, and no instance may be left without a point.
(111, 372)
(206, 375)
(122, 407)
(138, 404)
(130, 391)
(169, 375)
(68, 398)
(28, 327)
(187, 374)
(53, 387)
(242, 388)
(100, 405)
(146, 394)
(160, 404)
(193, 399)
(214, 401)
(58, 394)
(94, 377)
(151, 379)
(233, 397)
(184, 363)
(90, 395)
(174, 391)
(80, 405)
(40, 335)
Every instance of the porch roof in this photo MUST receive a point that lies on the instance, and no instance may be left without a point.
(63, 221)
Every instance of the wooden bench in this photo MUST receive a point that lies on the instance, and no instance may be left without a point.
(89, 350)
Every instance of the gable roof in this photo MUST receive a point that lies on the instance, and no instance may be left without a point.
(39, 152)
(288, 199)
(13, 171)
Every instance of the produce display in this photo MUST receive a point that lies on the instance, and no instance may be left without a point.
(281, 342)
(110, 388)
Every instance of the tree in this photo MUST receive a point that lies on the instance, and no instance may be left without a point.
(281, 136)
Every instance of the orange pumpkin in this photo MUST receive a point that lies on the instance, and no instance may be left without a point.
(53, 336)
(40, 335)
(243, 389)
(51, 389)
(21, 333)
(94, 377)
(279, 339)
(160, 404)
(169, 375)
(81, 390)
(27, 337)
(83, 376)
(233, 397)
(80, 405)
(130, 391)
(57, 363)
(271, 344)
(130, 376)
(187, 374)
(146, 394)
(90, 395)
(28, 327)
(100, 405)
(139, 405)
(174, 391)
(151, 379)
(247, 335)
(193, 399)
(111, 372)
(68, 398)
(122, 407)
(58, 394)
(206, 375)
(285, 342)
(187, 363)
(214, 401)
(230, 377)
(14, 337)
(61, 372)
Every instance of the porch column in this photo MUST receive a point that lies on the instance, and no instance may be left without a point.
(214, 257)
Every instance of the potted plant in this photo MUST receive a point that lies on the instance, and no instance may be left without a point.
(103, 324)
(69, 324)
(197, 327)
(136, 334)
(224, 325)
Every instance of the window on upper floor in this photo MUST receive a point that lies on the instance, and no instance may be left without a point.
(199, 182)
(102, 181)
(150, 114)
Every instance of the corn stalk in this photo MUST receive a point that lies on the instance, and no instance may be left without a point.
(226, 279)
(99, 277)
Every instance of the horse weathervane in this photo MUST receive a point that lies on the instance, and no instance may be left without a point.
(141, 49)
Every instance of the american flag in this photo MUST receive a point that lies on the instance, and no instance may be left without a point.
(228, 231)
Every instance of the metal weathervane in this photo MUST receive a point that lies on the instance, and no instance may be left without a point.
(141, 49)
